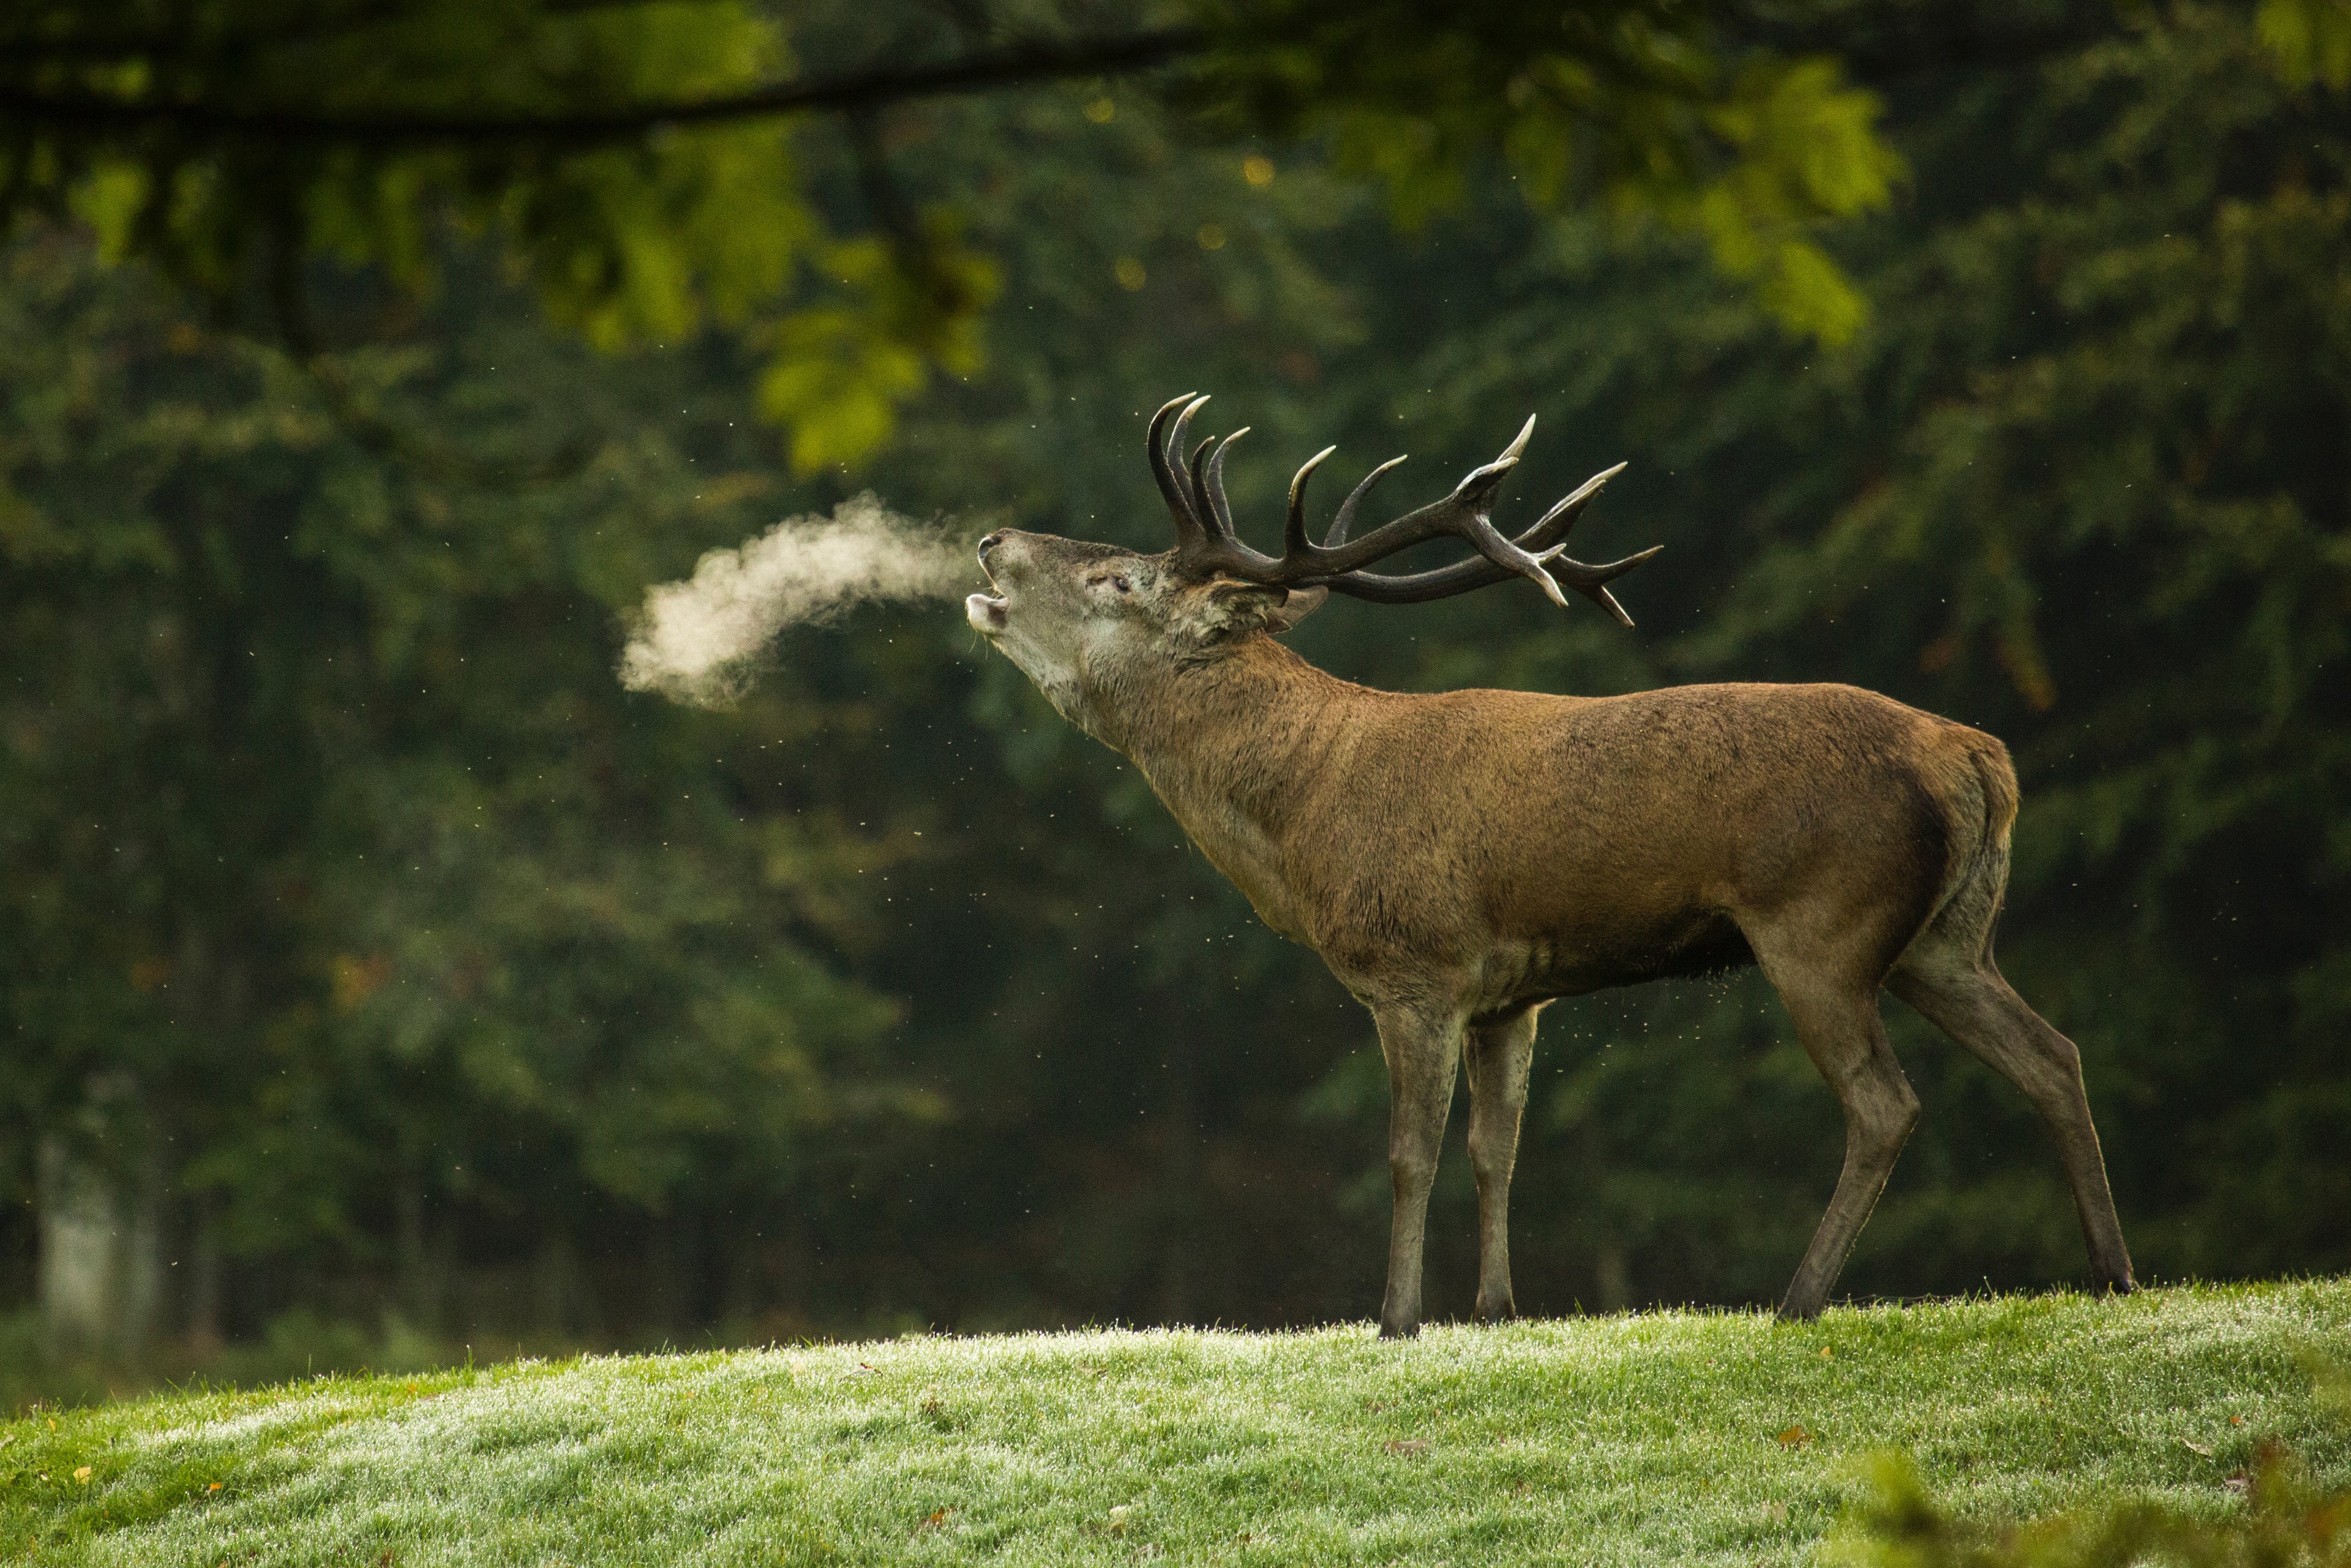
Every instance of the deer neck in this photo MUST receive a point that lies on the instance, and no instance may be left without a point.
(1236, 746)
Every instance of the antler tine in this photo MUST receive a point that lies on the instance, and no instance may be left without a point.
(1345, 521)
(1460, 513)
(1179, 506)
(1220, 511)
(1510, 453)
(1586, 578)
(1177, 433)
(1294, 541)
(1444, 583)
(1346, 517)
(1184, 421)
(1567, 509)
(1199, 489)
(1592, 581)
(1511, 556)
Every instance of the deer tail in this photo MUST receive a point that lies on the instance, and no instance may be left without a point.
(1979, 885)
(1998, 777)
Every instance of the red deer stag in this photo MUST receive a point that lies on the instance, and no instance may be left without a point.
(1464, 859)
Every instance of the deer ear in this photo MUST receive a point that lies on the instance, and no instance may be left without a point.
(1301, 603)
(1231, 608)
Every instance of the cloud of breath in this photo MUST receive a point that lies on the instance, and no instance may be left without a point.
(697, 641)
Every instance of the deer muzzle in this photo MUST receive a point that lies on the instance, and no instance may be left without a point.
(986, 611)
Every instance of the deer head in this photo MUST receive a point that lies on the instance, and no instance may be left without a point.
(1087, 621)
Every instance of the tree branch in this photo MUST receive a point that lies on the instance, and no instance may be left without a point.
(1050, 61)
(1936, 40)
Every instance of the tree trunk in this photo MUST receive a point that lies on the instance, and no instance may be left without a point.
(102, 1272)
(563, 1307)
(205, 1309)
(416, 1282)
(1612, 1279)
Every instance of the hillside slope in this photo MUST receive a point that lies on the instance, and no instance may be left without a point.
(1683, 1437)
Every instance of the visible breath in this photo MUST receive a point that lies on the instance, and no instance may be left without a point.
(697, 641)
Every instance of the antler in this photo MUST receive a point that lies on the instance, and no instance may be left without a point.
(1207, 544)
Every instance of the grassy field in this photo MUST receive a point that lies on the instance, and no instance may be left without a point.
(1672, 1436)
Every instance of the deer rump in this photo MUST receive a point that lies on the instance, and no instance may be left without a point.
(1587, 844)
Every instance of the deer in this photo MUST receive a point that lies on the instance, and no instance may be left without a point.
(1461, 860)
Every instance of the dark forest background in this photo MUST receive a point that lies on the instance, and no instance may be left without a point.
(379, 979)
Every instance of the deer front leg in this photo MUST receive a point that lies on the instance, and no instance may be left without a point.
(1499, 1056)
(1423, 1053)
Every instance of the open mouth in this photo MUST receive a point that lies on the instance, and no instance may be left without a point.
(986, 613)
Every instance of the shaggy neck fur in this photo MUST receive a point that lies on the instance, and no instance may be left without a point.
(1237, 746)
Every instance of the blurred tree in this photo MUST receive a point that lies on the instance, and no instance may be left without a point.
(352, 904)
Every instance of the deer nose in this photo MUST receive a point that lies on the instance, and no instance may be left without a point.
(989, 543)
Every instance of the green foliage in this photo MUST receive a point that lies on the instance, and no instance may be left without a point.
(836, 382)
(2280, 1513)
(238, 141)
(2312, 39)
(1643, 106)
(2285, 1519)
(638, 162)
(628, 241)
(1809, 151)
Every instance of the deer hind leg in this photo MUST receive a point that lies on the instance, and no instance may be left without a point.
(1961, 992)
(1423, 1052)
(1836, 1019)
(1499, 1055)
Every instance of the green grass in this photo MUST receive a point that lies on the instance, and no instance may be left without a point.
(1643, 1438)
